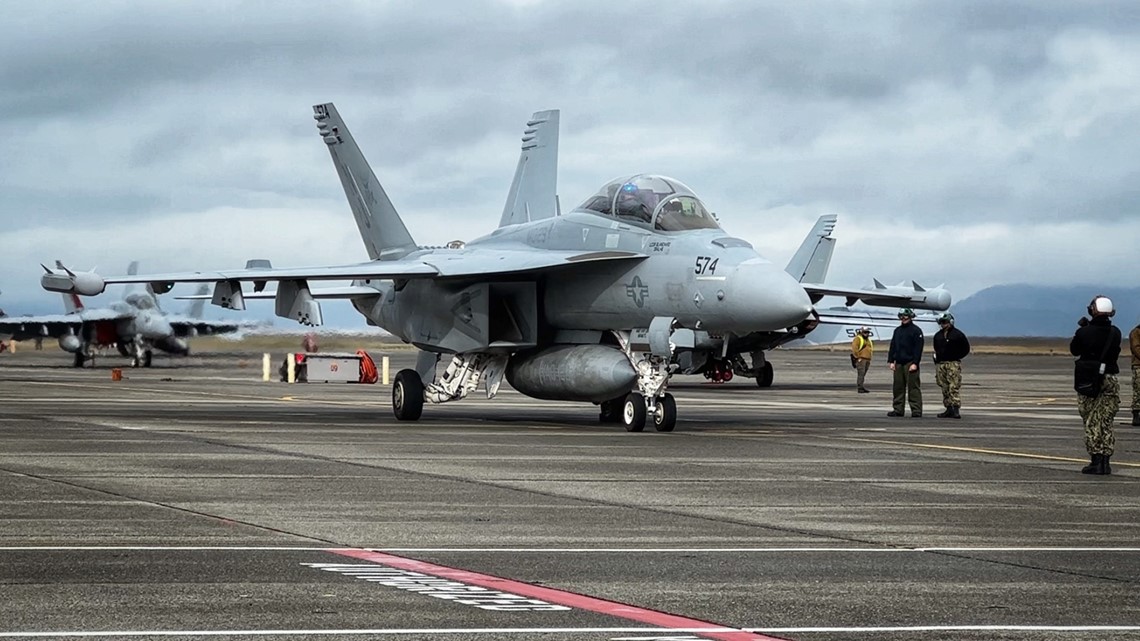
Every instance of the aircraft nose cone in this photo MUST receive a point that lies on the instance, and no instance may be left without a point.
(156, 327)
(765, 298)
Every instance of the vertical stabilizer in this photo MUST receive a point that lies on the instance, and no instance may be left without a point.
(384, 234)
(198, 306)
(534, 190)
(813, 258)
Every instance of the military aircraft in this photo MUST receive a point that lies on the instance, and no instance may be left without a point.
(598, 305)
(135, 325)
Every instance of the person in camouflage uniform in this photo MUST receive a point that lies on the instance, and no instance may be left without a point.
(1098, 341)
(1134, 347)
(950, 347)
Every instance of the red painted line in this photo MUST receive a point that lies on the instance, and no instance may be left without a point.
(559, 597)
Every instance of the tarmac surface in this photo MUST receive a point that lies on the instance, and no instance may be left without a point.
(193, 501)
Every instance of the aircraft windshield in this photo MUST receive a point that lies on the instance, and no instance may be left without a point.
(663, 202)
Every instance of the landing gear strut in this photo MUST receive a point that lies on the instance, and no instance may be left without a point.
(650, 357)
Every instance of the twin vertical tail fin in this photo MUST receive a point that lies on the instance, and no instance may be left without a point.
(381, 228)
(812, 260)
(534, 190)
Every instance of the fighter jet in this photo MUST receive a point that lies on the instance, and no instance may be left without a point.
(135, 325)
(595, 305)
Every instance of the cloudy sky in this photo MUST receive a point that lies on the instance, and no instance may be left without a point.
(971, 143)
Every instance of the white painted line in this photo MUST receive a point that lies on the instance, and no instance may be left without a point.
(375, 632)
(955, 628)
(484, 631)
(778, 550)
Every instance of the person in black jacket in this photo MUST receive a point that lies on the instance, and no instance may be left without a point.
(904, 357)
(950, 347)
(1097, 341)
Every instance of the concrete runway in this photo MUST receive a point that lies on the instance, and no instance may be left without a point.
(193, 501)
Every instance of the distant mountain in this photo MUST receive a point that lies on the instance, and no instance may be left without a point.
(1034, 310)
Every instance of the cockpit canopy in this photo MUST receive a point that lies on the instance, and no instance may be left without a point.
(664, 203)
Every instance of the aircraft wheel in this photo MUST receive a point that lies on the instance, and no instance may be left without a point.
(665, 418)
(80, 359)
(610, 411)
(633, 412)
(148, 356)
(408, 395)
(765, 376)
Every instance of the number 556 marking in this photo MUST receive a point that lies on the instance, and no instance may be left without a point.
(705, 265)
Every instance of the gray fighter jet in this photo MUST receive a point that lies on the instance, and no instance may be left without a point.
(602, 304)
(135, 325)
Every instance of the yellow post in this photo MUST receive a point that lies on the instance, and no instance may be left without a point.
(291, 368)
(265, 367)
(384, 367)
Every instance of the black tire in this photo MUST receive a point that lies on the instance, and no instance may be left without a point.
(408, 395)
(665, 418)
(610, 411)
(633, 412)
(80, 358)
(148, 357)
(765, 375)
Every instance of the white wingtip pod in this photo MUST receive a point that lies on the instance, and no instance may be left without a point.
(69, 282)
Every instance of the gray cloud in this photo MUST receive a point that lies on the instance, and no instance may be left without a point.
(903, 117)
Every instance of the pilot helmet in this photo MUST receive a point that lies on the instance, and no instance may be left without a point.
(1101, 306)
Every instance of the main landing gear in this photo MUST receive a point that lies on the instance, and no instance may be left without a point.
(462, 376)
(650, 402)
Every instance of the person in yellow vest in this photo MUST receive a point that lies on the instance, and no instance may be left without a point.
(862, 348)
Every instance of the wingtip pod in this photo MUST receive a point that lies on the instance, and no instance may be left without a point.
(69, 282)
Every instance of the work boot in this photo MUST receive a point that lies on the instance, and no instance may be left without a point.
(948, 413)
(1093, 466)
(1104, 467)
(954, 412)
(914, 414)
(864, 390)
(1135, 418)
(894, 414)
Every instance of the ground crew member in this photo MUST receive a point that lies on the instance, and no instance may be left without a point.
(862, 348)
(950, 347)
(904, 357)
(1097, 341)
(1134, 346)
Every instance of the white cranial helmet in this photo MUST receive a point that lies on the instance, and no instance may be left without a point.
(1101, 306)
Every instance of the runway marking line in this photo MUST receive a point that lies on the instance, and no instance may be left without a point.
(555, 550)
(976, 450)
(644, 633)
(555, 596)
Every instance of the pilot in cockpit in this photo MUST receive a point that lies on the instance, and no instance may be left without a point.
(630, 204)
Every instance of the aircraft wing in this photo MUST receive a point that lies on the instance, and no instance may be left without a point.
(917, 297)
(53, 325)
(451, 264)
(837, 326)
(347, 291)
(198, 327)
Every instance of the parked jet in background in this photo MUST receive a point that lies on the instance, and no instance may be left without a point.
(136, 325)
(595, 305)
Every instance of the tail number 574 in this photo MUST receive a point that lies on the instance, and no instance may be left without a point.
(705, 265)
